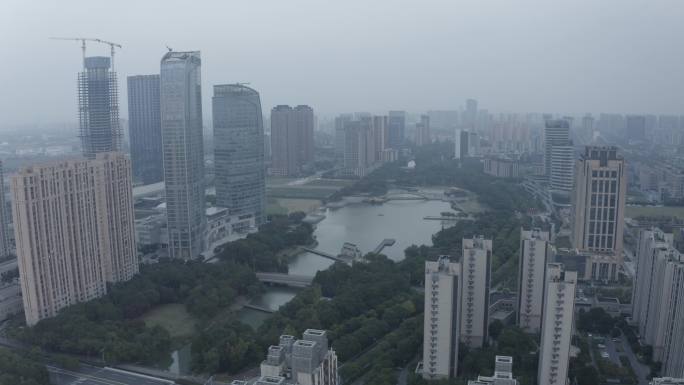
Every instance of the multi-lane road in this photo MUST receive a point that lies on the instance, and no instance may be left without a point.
(91, 375)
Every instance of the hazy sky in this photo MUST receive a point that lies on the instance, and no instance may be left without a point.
(360, 55)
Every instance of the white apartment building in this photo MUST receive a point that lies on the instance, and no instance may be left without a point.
(503, 373)
(4, 234)
(557, 325)
(598, 203)
(658, 299)
(74, 230)
(442, 318)
(535, 253)
(476, 265)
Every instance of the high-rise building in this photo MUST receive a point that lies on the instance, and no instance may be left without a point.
(4, 233)
(557, 325)
(74, 229)
(470, 114)
(144, 129)
(340, 122)
(535, 253)
(181, 122)
(475, 284)
(423, 131)
(291, 139)
(446, 120)
(598, 204)
(658, 299)
(308, 361)
(98, 107)
(380, 135)
(239, 150)
(396, 128)
(562, 166)
(442, 318)
(636, 127)
(359, 147)
(461, 144)
(557, 132)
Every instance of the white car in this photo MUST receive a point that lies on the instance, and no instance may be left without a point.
(605, 355)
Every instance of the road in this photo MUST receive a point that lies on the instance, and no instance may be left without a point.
(642, 371)
(91, 375)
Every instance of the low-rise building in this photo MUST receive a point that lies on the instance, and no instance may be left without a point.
(502, 167)
(503, 373)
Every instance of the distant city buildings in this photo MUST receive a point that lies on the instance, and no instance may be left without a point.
(535, 252)
(598, 209)
(423, 131)
(503, 373)
(291, 139)
(501, 167)
(73, 225)
(442, 315)
(144, 129)
(396, 129)
(658, 299)
(557, 325)
(476, 280)
(307, 361)
(4, 232)
(181, 122)
(239, 151)
(98, 107)
(470, 114)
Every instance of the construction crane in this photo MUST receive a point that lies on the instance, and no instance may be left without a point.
(83, 45)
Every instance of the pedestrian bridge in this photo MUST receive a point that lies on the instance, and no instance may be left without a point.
(285, 279)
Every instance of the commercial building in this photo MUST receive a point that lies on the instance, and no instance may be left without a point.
(535, 253)
(503, 373)
(308, 361)
(658, 299)
(359, 147)
(98, 107)
(461, 144)
(557, 325)
(562, 166)
(442, 318)
(144, 129)
(291, 139)
(396, 129)
(475, 285)
(556, 132)
(181, 122)
(501, 167)
(598, 210)
(74, 229)
(423, 131)
(239, 151)
(4, 233)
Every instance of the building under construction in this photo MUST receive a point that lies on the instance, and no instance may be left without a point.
(98, 107)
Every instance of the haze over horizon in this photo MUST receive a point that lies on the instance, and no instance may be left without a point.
(532, 55)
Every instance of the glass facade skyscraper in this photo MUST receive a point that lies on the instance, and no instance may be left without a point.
(144, 128)
(98, 107)
(181, 126)
(239, 150)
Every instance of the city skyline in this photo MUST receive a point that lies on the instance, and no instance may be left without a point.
(497, 86)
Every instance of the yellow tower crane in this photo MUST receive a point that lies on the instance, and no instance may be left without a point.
(83, 45)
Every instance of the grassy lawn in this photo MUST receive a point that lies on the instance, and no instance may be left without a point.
(654, 211)
(172, 317)
(273, 207)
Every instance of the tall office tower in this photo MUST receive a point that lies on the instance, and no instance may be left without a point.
(442, 318)
(473, 144)
(470, 114)
(396, 128)
(443, 120)
(658, 299)
(380, 134)
(98, 107)
(74, 229)
(475, 284)
(239, 150)
(340, 122)
(557, 325)
(599, 208)
(359, 147)
(423, 131)
(4, 233)
(461, 143)
(636, 127)
(291, 139)
(181, 122)
(555, 132)
(535, 253)
(588, 127)
(304, 121)
(144, 129)
(562, 166)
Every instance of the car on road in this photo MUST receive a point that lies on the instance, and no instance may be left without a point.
(605, 355)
